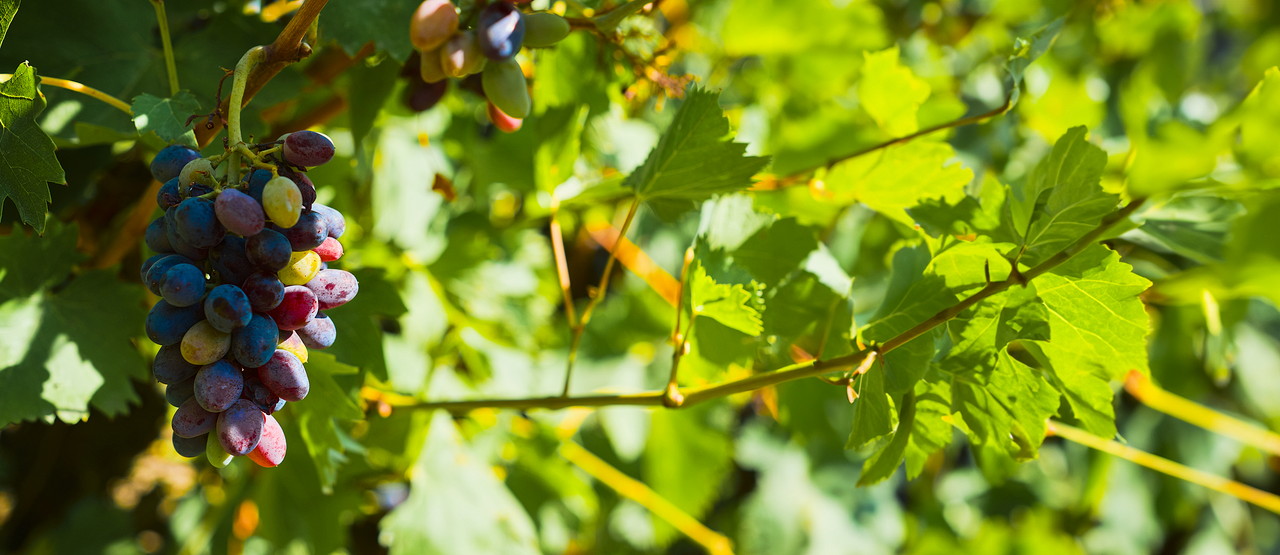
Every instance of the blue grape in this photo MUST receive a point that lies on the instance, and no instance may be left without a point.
(197, 222)
(183, 285)
(167, 324)
(169, 162)
(180, 245)
(218, 385)
(190, 447)
(231, 261)
(265, 291)
(169, 367)
(168, 195)
(227, 308)
(178, 393)
(156, 236)
(308, 233)
(334, 223)
(147, 264)
(307, 148)
(198, 190)
(256, 182)
(269, 250)
(501, 31)
(253, 345)
(154, 276)
(285, 376)
(319, 333)
(191, 420)
(240, 427)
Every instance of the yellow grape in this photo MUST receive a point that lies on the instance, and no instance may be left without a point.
(204, 344)
(282, 201)
(430, 67)
(461, 55)
(294, 345)
(302, 267)
(432, 23)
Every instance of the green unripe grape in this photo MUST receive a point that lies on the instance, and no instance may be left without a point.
(199, 171)
(213, 451)
(544, 29)
(282, 201)
(204, 344)
(430, 68)
(462, 56)
(506, 88)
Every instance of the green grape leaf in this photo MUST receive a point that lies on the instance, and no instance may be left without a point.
(872, 412)
(900, 177)
(166, 117)
(884, 462)
(448, 477)
(7, 10)
(359, 322)
(693, 161)
(731, 305)
(326, 401)
(559, 144)
(62, 352)
(1025, 51)
(809, 314)
(931, 429)
(1062, 198)
(1005, 406)
(1097, 327)
(890, 92)
(27, 160)
(385, 22)
(1259, 123)
(686, 458)
(31, 263)
(774, 252)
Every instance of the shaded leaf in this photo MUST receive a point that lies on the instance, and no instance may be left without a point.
(166, 117)
(27, 160)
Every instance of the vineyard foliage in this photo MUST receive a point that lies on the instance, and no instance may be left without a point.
(855, 259)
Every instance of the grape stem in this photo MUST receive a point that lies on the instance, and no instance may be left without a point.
(236, 104)
(801, 370)
(170, 67)
(80, 88)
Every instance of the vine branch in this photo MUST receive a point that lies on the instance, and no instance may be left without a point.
(80, 88)
(695, 395)
(171, 68)
(287, 48)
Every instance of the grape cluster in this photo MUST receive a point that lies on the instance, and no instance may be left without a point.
(446, 48)
(243, 276)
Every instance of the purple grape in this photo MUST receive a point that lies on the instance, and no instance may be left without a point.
(298, 307)
(253, 345)
(182, 285)
(333, 288)
(500, 31)
(218, 385)
(167, 324)
(178, 393)
(231, 261)
(227, 308)
(196, 221)
(168, 195)
(260, 395)
(334, 223)
(305, 187)
(239, 213)
(190, 446)
(240, 427)
(256, 182)
(268, 250)
(319, 333)
(264, 291)
(307, 148)
(422, 96)
(191, 420)
(308, 233)
(169, 162)
(285, 376)
(169, 367)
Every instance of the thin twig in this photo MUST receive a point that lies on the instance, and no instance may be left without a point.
(80, 88)
(1153, 396)
(171, 68)
(805, 369)
(598, 296)
(672, 396)
(562, 263)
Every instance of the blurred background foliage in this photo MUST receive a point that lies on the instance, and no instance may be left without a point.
(448, 227)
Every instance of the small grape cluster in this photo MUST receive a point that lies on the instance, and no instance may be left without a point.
(488, 48)
(243, 276)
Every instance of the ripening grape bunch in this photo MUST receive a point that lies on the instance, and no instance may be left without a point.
(242, 272)
(484, 44)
